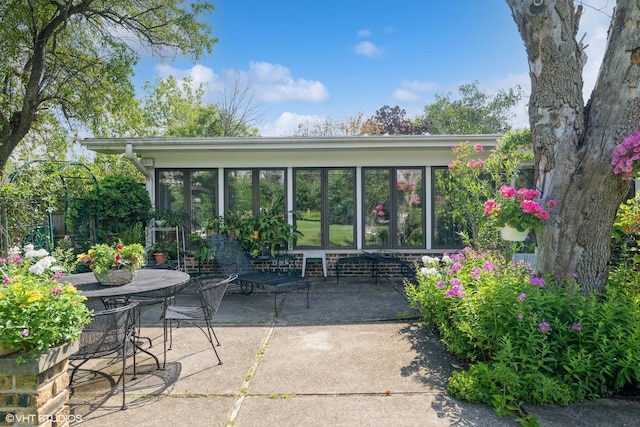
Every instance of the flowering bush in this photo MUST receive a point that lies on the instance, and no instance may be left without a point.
(518, 208)
(476, 175)
(526, 339)
(104, 257)
(37, 309)
(625, 155)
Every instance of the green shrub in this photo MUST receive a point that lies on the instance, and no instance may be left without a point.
(123, 203)
(528, 340)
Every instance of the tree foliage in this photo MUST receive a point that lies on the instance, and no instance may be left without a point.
(174, 108)
(74, 58)
(475, 112)
(391, 121)
(349, 126)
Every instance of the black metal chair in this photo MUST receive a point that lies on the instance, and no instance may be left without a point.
(211, 289)
(110, 332)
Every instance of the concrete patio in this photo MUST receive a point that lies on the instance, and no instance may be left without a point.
(354, 358)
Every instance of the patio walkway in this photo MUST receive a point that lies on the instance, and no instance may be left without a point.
(354, 358)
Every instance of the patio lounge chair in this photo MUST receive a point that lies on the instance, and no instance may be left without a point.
(110, 332)
(232, 260)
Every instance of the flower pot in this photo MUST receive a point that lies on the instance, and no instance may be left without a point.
(511, 234)
(116, 277)
(160, 258)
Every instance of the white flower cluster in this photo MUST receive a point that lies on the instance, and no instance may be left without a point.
(44, 262)
(430, 268)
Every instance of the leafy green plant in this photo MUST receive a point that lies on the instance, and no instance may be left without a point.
(527, 339)
(123, 202)
(38, 310)
(202, 253)
(257, 234)
(103, 257)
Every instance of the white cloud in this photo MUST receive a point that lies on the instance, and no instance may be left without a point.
(364, 33)
(273, 83)
(366, 48)
(403, 95)
(411, 91)
(288, 123)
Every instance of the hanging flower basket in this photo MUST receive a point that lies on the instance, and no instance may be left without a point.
(116, 277)
(511, 234)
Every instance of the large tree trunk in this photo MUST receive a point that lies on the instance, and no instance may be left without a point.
(573, 143)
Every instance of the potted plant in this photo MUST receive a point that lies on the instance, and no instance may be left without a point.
(114, 265)
(517, 211)
(159, 251)
(38, 310)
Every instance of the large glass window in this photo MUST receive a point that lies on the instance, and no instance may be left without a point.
(204, 197)
(188, 193)
(444, 227)
(325, 200)
(393, 210)
(252, 190)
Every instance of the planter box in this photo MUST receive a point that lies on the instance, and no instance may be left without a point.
(34, 393)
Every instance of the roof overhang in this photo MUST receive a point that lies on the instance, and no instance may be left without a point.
(148, 145)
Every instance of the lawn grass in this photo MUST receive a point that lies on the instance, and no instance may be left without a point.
(341, 235)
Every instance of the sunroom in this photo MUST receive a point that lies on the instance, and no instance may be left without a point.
(350, 194)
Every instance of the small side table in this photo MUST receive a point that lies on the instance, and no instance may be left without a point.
(314, 256)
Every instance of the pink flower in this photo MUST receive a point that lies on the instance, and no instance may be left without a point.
(624, 156)
(551, 203)
(478, 148)
(537, 281)
(454, 292)
(491, 207)
(488, 266)
(544, 327)
(576, 327)
(522, 296)
(475, 273)
(507, 191)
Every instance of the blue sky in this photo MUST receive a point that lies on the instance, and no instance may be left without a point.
(303, 61)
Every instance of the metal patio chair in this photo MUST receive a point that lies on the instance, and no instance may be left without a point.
(211, 289)
(110, 332)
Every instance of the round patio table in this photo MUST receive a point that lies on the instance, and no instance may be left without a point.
(160, 283)
(150, 285)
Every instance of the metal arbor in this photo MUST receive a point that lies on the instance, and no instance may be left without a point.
(38, 227)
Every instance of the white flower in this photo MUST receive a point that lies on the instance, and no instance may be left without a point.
(427, 260)
(31, 253)
(429, 271)
(14, 250)
(447, 259)
(42, 265)
(37, 268)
